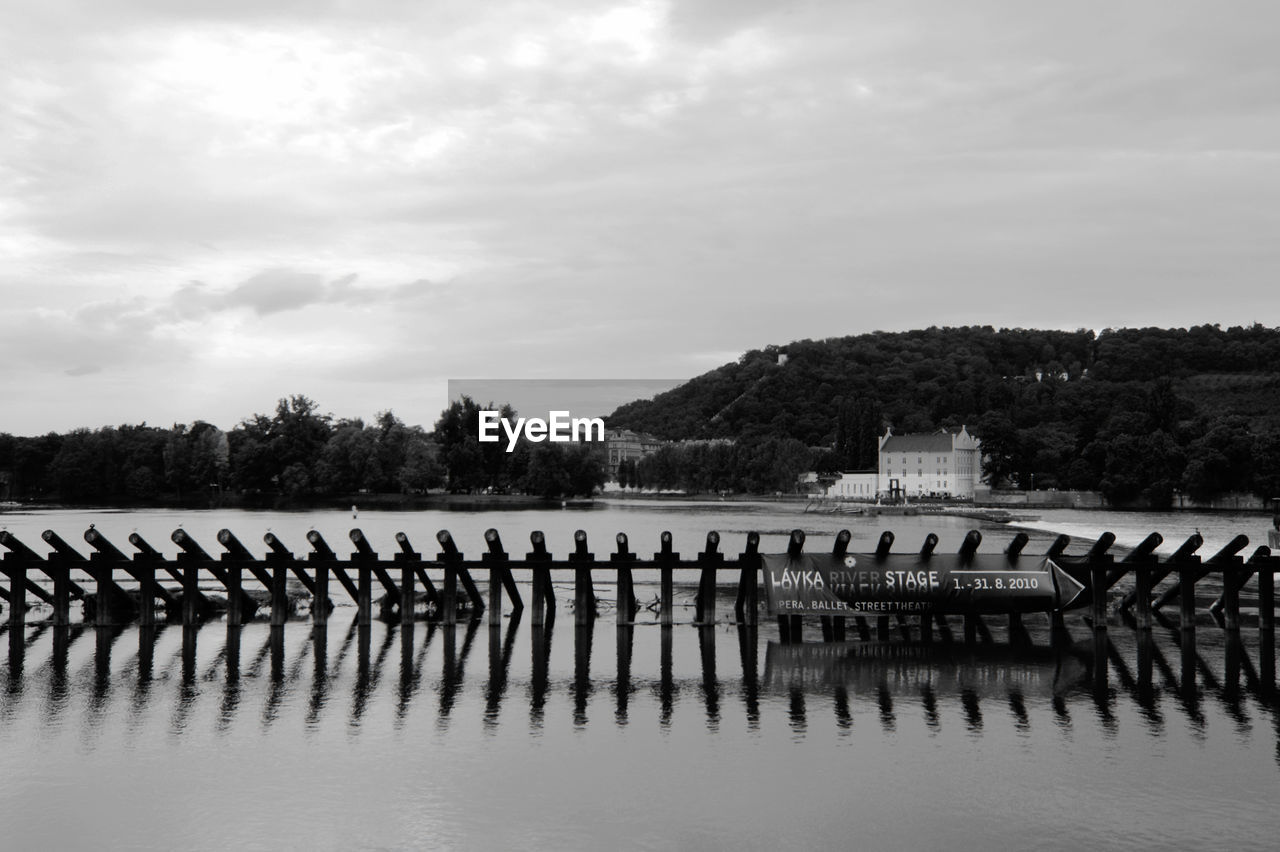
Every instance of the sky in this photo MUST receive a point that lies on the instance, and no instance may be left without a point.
(207, 206)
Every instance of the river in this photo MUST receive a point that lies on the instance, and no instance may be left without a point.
(587, 737)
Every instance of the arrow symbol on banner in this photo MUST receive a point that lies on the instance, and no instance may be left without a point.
(1066, 587)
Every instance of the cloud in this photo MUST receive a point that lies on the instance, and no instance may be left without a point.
(358, 201)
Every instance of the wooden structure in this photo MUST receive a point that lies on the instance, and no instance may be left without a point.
(406, 580)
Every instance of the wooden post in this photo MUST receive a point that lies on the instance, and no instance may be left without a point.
(1142, 584)
(235, 600)
(449, 600)
(1098, 565)
(452, 557)
(926, 620)
(584, 595)
(838, 549)
(364, 585)
(320, 599)
(497, 558)
(626, 588)
(61, 571)
(145, 573)
(665, 559)
(281, 560)
(414, 559)
(407, 595)
(1187, 597)
(448, 555)
(543, 592)
(190, 592)
(103, 616)
(1231, 572)
(748, 604)
(710, 559)
(795, 547)
(279, 594)
(1266, 593)
(16, 567)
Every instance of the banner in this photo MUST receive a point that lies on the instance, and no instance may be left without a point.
(906, 584)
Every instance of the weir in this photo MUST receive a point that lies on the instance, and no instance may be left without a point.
(969, 584)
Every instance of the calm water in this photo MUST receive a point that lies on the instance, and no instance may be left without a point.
(585, 737)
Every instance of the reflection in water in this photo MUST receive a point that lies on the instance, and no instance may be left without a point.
(622, 686)
(452, 671)
(540, 646)
(1155, 677)
(500, 651)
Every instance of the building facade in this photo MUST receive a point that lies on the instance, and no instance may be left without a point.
(855, 485)
(940, 464)
(621, 445)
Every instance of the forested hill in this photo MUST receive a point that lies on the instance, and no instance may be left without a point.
(1066, 407)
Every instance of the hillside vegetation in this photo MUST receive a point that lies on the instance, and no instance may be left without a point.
(1136, 413)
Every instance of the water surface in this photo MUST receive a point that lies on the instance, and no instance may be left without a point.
(573, 736)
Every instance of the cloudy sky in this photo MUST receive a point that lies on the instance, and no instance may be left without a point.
(205, 206)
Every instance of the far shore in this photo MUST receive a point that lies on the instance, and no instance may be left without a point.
(482, 502)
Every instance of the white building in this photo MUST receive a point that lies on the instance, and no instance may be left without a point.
(855, 485)
(941, 464)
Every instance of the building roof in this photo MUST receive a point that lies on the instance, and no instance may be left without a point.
(938, 442)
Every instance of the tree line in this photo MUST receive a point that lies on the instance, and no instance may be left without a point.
(297, 453)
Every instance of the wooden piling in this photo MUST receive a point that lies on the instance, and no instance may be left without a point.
(839, 548)
(278, 548)
(1162, 570)
(1231, 594)
(710, 561)
(544, 598)
(234, 582)
(410, 565)
(190, 591)
(926, 620)
(320, 597)
(1142, 574)
(1187, 597)
(795, 623)
(61, 573)
(496, 559)
(279, 594)
(1222, 557)
(622, 560)
(449, 555)
(747, 607)
(145, 572)
(325, 556)
(104, 615)
(15, 567)
(1098, 567)
(665, 559)
(364, 589)
(453, 558)
(584, 594)
(1266, 594)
